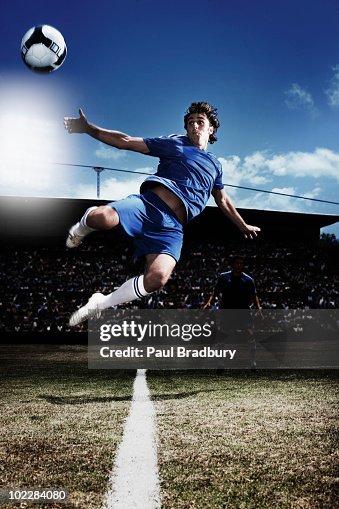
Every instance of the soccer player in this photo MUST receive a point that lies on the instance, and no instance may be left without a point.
(237, 290)
(186, 177)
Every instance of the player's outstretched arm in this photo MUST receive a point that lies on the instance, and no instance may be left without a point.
(225, 203)
(115, 139)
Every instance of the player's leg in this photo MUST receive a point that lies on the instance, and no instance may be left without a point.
(159, 267)
(154, 228)
(95, 218)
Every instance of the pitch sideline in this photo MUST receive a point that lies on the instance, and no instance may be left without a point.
(134, 481)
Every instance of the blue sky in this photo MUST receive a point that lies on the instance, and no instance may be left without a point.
(270, 67)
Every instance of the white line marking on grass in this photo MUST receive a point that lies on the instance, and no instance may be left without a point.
(134, 481)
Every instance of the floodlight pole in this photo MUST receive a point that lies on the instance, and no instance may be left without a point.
(98, 170)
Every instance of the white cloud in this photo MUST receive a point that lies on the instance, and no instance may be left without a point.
(252, 165)
(265, 201)
(271, 201)
(280, 173)
(298, 98)
(108, 153)
(314, 193)
(322, 163)
(112, 188)
(333, 91)
(261, 167)
(248, 171)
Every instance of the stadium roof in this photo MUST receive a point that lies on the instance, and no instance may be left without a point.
(275, 225)
(51, 217)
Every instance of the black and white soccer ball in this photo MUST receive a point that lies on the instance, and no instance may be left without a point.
(43, 49)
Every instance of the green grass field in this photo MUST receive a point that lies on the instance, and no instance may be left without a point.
(239, 440)
(60, 422)
(244, 440)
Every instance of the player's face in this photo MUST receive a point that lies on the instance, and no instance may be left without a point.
(199, 129)
(237, 267)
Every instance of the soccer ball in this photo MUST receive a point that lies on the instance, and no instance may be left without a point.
(43, 49)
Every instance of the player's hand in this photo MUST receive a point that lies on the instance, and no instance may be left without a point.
(76, 125)
(249, 231)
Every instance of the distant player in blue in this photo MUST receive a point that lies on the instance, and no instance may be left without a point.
(236, 290)
(186, 177)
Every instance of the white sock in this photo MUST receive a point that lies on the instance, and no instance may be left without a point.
(81, 227)
(130, 290)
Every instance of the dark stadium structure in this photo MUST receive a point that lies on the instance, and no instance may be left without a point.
(23, 218)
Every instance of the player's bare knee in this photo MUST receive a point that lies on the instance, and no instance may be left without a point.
(103, 218)
(155, 280)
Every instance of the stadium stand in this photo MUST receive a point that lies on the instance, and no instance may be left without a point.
(43, 282)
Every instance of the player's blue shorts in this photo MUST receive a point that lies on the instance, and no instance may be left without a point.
(151, 223)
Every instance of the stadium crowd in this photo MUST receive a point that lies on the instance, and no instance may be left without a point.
(41, 286)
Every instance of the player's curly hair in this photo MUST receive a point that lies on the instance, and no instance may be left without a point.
(211, 114)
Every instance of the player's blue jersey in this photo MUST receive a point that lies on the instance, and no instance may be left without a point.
(237, 292)
(189, 172)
